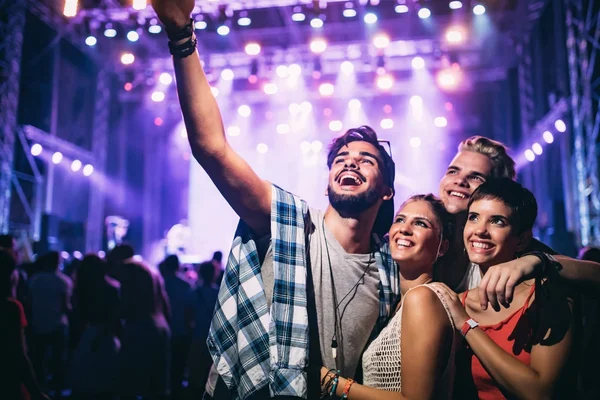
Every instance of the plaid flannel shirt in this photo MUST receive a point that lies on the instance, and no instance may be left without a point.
(252, 347)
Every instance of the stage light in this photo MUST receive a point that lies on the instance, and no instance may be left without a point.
(480, 10)
(158, 121)
(298, 17)
(214, 91)
(36, 149)
(305, 146)
(316, 23)
(165, 78)
(381, 41)
(91, 41)
(139, 4)
(101, 254)
(385, 82)
(133, 36)
(57, 157)
(200, 25)
(370, 18)
(128, 86)
(424, 13)
(326, 89)
(294, 108)
(401, 8)
(70, 9)
(233, 130)
(529, 155)
(560, 125)
(347, 67)
(354, 104)
(455, 5)
(295, 70)
(305, 107)
(270, 88)
(77, 255)
(223, 30)
(244, 21)
(110, 32)
(252, 49)
(417, 63)
(155, 29)
(449, 78)
(416, 101)
(244, 110)
(548, 137)
(415, 142)
(262, 148)
(537, 149)
(283, 129)
(282, 71)
(318, 45)
(157, 96)
(440, 122)
(335, 126)
(227, 74)
(454, 35)
(127, 58)
(386, 123)
(64, 255)
(349, 13)
(75, 165)
(316, 146)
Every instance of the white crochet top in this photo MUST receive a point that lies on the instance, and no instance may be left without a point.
(382, 360)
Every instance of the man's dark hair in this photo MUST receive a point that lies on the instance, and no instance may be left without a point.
(120, 253)
(7, 242)
(589, 253)
(520, 200)
(217, 256)
(170, 264)
(386, 165)
(49, 262)
(207, 272)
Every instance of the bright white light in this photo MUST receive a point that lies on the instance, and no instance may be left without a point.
(283, 129)
(305, 107)
(385, 82)
(233, 130)
(347, 67)
(454, 35)
(354, 104)
(295, 70)
(165, 78)
(370, 18)
(110, 32)
(480, 10)
(415, 142)
(252, 49)
(227, 74)
(326, 89)
(75, 165)
(262, 148)
(417, 63)
(294, 108)
(157, 96)
(401, 9)
(416, 101)
(154, 29)
(449, 78)
(335, 126)
(318, 45)
(316, 23)
(183, 133)
(91, 41)
(424, 13)
(548, 137)
(133, 36)
(381, 41)
(57, 157)
(282, 71)
(386, 123)
(455, 5)
(70, 9)
(244, 110)
(537, 148)
(36, 149)
(529, 155)
(88, 169)
(139, 4)
(305, 146)
(77, 255)
(223, 30)
(298, 17)
(440, 122)
(102, 254)
(349, 13)
(127, 58)
(244, 21)
(270, 88)
(316, 146)
(64, 255)
(214, 91)
(560, 125)
(200, 25)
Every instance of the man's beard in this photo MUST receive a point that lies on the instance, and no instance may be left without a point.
(352, 205)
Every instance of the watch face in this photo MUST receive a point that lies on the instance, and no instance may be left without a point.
(472, 323)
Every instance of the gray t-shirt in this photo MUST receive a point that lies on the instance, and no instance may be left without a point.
(358, 304)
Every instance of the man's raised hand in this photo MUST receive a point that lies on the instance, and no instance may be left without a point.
(173, 13)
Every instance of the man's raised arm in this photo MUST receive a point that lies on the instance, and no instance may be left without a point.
(248, 195)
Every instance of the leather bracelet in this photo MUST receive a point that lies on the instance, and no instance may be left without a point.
(347, 387)
(549, 264)
(181, 33)
(182, 50)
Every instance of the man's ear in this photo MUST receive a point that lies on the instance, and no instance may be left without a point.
(327, 191)
(388, 193)
(525, 239)
(444, 247)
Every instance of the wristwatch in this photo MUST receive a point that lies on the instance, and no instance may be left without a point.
(468, 325)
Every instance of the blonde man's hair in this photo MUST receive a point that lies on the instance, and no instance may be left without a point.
(503, 166)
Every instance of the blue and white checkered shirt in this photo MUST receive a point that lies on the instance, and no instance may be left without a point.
(252, 347)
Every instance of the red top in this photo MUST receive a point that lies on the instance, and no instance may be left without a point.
(511, 335)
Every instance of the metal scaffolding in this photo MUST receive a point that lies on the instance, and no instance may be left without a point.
(583, 44)
(12, 23)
